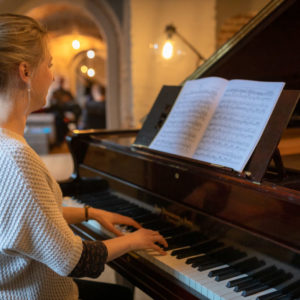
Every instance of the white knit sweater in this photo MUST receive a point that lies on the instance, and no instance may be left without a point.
(37, 247)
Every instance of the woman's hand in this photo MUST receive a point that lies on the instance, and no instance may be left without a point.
(138, 240)
(147, 239)
(109, 220)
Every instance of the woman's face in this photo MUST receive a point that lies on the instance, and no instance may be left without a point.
(40, 82)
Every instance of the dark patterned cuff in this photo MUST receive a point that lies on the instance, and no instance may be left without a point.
(92, 260)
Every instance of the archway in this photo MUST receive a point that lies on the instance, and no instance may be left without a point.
(118, 110)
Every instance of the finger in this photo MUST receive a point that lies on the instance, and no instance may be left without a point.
(159, 250)
(112, 229)
(161, 240)
(129, 221)
(116, 231)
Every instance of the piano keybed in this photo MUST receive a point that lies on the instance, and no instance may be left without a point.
(215, 268)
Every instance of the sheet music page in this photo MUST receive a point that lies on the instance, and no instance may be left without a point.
(238, 123)
(189, 117)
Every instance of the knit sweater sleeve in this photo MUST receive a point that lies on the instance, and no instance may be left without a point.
(31, 220)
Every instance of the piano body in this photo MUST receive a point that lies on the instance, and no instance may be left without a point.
(222, 228)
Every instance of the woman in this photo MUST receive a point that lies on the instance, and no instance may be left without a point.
(38, 252)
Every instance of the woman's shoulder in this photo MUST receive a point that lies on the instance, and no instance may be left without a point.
(16, 152)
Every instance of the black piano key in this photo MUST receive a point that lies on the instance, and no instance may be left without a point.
(169, 232)
(107, 200)
(267, 284)
(148, 218)
(129, 209)
(221, 271)
(289, 288)
(240, 270)
(210, 265)
(185, 239)
(228, 275)
(295, 293)
(254, 290)
(120, 207)
(241, 266)
(195, 261)
(270, 296)
(136, 212)
(165, 231)
(225, 259)
(258, 281)
(108, 205)
(246, 285)
(198, 248)
(157, 225)
(235, 282)
(193, 252)
(203, 257)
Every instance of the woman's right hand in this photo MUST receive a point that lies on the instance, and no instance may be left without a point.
(146, 239)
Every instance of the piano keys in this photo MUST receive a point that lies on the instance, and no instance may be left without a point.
(213, 267)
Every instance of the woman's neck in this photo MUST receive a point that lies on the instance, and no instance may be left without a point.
(12, 115)
(17, 127)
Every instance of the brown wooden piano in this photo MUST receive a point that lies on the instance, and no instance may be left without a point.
(231, 236)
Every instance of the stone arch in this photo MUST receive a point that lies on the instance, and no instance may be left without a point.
(110, 28)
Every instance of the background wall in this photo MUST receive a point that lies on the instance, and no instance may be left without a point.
(227, 9)
(194, 19)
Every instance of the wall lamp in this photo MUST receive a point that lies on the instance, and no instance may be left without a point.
(167, 51)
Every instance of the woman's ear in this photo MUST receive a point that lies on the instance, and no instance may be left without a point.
(24, 72)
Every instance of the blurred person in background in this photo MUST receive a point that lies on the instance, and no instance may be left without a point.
(93, 114)
(66, 110)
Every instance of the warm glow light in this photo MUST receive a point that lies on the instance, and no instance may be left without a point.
(83, 69)
(91, 72)
(167, 51)
(76, 44)
(90, 54)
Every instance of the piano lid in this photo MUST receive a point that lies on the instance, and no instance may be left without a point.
(267, 48)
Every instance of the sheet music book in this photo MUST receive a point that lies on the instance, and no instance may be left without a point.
(218, 121)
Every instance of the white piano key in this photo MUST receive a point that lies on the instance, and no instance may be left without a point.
(216, 289)
(222, 292)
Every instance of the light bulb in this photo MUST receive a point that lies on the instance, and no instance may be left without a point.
(83, 68)
(167, 51)
(91, 72)
(76, 44)
(90, 54)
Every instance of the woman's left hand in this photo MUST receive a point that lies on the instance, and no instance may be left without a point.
(109, 220)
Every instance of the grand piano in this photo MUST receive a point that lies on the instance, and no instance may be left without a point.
(231, 236)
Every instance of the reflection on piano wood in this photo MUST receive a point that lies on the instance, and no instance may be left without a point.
(213, 267)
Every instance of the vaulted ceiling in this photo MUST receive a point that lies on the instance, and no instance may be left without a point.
(61, 19)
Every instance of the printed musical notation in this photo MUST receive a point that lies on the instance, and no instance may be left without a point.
(218, 121)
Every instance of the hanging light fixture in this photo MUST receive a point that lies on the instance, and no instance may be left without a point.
(172, 46)
(168, 48)
(91, 72)
(76, 44)
(90, 54)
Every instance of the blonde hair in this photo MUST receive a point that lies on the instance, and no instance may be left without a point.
(21, 39)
